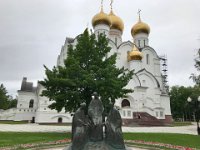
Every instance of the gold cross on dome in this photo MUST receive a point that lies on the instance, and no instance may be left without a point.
(101, 4)
(111, 4)
(139, 13)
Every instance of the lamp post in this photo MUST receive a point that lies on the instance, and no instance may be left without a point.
(196, 111)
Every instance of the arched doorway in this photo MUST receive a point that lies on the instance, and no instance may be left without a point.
(31, 103)
(60, 120)
(125, 103)
(33, 120)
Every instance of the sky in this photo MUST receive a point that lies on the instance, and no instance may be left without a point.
(32, 33)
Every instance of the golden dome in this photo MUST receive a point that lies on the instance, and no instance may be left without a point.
(135, 54)
(116, 22)
(140, 27)
(101, 18)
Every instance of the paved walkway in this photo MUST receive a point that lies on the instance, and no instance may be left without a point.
(61, 148)
(49, 128)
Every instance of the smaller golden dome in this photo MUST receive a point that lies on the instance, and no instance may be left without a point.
(116, 22)
(101, 18)
(134, 54)
(140, 27)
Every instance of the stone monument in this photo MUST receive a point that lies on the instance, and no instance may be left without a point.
(87, 130)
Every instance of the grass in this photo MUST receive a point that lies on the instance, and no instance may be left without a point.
(56, 124)
(13, 138)
(16, 138)
(181, 124)
(13, 122)
(167, 138)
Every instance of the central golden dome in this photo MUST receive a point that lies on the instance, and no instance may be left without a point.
(101, 18)
(135, 54)
(116, 22)
(140, 27)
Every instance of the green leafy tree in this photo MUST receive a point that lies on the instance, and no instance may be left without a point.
(6, 101)
(12, 102)
(178, 100)
(87, 69)
(3, 97)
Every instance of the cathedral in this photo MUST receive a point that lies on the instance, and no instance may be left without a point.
(149, 104)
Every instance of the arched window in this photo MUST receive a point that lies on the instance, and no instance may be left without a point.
(125, 103)
(139, 43)
(147, 58)
(116, 40)
(60, 120)
(31, 103)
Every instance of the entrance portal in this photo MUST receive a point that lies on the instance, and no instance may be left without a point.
(33, 120)
(60, 120)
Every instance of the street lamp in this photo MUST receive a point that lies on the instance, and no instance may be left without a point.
(189, 99)
(196, 111)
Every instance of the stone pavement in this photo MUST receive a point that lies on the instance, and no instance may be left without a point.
(61, 148)
(51, 128)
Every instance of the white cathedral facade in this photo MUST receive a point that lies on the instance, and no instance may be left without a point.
(149, 104)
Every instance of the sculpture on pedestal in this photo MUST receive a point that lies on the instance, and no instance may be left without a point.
(95, 111)
(79, 128)
(87, 131)
(113, 131)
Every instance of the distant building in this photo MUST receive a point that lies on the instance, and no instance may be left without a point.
(149, 104)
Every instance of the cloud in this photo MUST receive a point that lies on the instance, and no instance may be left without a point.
(33, 32)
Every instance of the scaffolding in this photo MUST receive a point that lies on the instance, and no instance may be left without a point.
(164, 69)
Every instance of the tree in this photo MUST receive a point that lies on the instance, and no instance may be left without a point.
(180, 107)
(3, 97)
(12, 102)
(6, 101)
(196, 77)
(178, 100)
(87, 69)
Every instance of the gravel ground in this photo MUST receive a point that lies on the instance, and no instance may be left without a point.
(50, 128)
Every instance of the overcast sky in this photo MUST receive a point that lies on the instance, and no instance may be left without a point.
(33, 31)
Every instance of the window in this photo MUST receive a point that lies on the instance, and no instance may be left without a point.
(31, 103)
(20, 105)
(161, 114)
(147, 59)
(139, 43)
(144, 82)
(116, 41)
(144, 42)
(156, 114)
(129, 113)
(124, 113)
(125, 103)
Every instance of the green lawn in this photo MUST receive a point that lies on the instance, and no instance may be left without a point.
(13, 122)
(16, 138)
(186, 140)
(12, 138)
